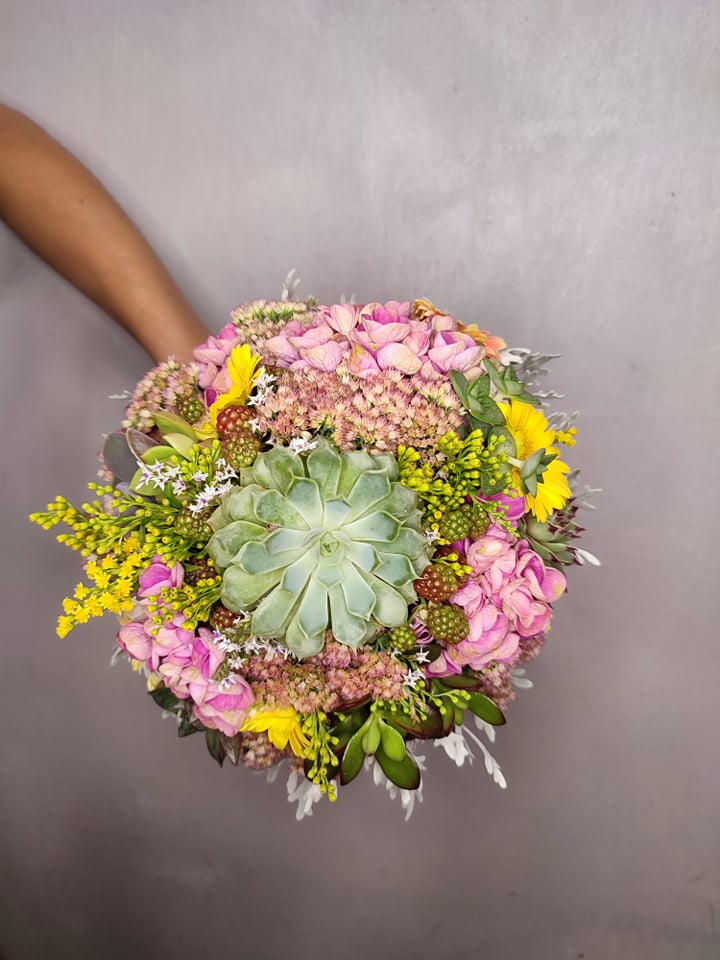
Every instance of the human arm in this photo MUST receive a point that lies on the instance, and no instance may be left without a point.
(69, 219)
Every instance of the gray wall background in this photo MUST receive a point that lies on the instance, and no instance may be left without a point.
(548, 169)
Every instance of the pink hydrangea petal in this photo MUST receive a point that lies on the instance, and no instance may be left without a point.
(342, 317)
(326, 356)
(399, 357)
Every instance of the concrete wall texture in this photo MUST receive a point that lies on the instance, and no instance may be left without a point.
(548, 169)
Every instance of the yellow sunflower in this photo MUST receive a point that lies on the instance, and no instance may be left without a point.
(243, 369)
(282, 727)
(531, 431)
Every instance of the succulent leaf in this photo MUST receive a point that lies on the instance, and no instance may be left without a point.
(317, 542)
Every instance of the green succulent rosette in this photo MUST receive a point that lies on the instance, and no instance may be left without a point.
(318, 541)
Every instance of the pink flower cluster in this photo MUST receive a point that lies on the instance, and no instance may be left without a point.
(335, 677)
(377, 413)
(376, 337)
(507, 599)
(186, 660)
(212, 357)
(251, 323)
(160, 389)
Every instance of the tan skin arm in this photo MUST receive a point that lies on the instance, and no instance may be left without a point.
(67, 217)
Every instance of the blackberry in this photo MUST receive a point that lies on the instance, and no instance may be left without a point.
(448, 623)
(403, 638)
(192, 526)
(437, 583)
(479, 522)
(455, 524)
(241, 449)
(191, 407)
(221, 618)
(204, 569)
(234, 419)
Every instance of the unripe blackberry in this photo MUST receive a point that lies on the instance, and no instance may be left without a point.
(479, 522)
(241, 449)
(191, 407)
(455, 524)
(448, 623)
(234, 419)
(192, 526)
(403, 638)
(437, 583)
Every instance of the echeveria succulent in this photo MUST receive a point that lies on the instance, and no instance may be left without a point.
(319, 541)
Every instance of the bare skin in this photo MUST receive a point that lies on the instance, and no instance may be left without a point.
(62, 212)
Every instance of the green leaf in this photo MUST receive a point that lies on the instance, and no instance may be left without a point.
(506, 442)
(530, 466)
(393, 743)
(494, 374)
(214, 745)
(428, 728)
(371, 737)
(448, 718)
(353, 758)
(165, 698)
(459, 681)
(403, 773)
(170, 423)
(479, 388)
(484, 708)
(231, 746)
(460, 385)
(182, 444)
(188, 725)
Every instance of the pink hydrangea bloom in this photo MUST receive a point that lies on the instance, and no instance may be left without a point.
(224, 707)
(212, 357)
(136, 642)
(506, 600)
(375, 337)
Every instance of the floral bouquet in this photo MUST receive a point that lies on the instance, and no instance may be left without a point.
(337, 534)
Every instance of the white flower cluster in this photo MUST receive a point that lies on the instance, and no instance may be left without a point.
(221, 485)
(262, 389)
(164, 472)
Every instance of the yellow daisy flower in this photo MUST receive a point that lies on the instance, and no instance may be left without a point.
(243, 369)
(531, 431)
(282, 727)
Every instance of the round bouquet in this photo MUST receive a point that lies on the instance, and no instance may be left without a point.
(335, 536)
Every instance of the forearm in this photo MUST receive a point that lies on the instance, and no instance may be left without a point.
(67, 217)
